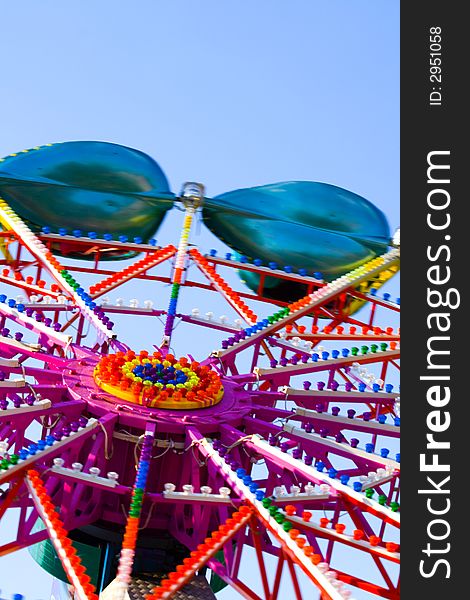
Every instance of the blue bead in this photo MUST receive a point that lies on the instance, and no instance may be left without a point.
(373, 292)
(303, 272)
(362, 387)
(253, 487)
(315, 357)
(397, 457)
(258, 262)
(318, 275)
(357, 485)
(332, 473)
(288, 269)
(11, 303)
(50, 440)
(153, 242)
(320, 466)
(398, 300)
(228, 256)
(396, 421)
(344, 479)
(123, 238)
(325, 355)
(92, 235)
(62, 231)
(388, 388)
(387, 296)
(381, 419)
(335, 353)
(247, 480)
(77, 233)
(212, 252)
(243, 259)
(46, 229)
(259, 494)
(241, 473)
(3, 297)
(108, 237)
(138, 240)
(369, 448)
(375, 387)
(345, 352)
(20, 307)
(384, 452)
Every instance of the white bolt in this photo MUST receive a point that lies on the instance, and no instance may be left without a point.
(224, 491)
(169, 487)
(76, 466)
(59, 462)
(309, 489)
(95, 471)
(205, 490)
(112, 475)
(188, 488)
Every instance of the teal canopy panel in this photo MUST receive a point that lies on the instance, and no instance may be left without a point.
(303, 224)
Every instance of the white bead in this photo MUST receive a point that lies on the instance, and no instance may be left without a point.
(148, 304)
(58, 462)
(224, 491)
(169, 487)
(188, 488)
(95, 471)
(205, 490)
(112, 475)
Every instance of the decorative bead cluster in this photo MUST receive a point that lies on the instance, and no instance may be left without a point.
(158, 381)
(358, 534)
(232, 296)
(126, 559)
(63, 545)
(42, 444)
(345, 281)
(198, 558)
(178, 271)
(136, 268)
(29, 312)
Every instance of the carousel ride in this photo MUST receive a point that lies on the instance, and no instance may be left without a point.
(269, 436)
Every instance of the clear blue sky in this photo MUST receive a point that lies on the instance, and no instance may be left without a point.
(232, 94)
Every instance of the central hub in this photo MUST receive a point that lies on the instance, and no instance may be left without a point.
(158, 381)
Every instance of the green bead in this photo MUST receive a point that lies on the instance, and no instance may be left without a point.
(266, 502)
(279, 518)
(287, 526)
(394, 506)
(4, 464)
(64, 272)
(354, 350)
(369, 493)
(273, 510)
(14, 458)
(373, 348)
(382, 500)
(364, 349)
(383, 346)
